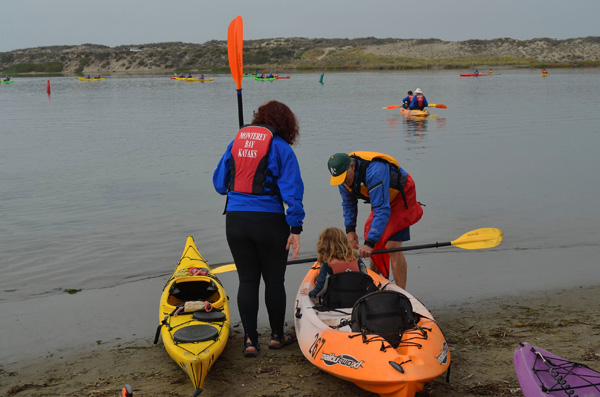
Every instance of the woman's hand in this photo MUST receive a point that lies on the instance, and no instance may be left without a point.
(294, 241)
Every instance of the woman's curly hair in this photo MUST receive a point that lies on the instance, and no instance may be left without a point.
(333, 243)
(279, 116)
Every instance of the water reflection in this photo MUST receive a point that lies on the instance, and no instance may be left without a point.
(416, 128)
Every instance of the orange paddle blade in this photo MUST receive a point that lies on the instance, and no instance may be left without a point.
(235, 45)
(391, 107)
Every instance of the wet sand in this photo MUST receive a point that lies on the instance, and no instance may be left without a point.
(482, 337)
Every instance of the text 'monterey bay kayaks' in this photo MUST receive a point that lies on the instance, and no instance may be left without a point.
(194, 316)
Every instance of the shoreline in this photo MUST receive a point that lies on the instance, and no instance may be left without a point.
(482, 337)
(298, 71)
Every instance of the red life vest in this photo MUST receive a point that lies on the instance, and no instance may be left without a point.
(420, 100)
(339, 266)
(249, 159)
(400, 218)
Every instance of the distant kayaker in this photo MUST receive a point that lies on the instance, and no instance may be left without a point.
(544, 71)
(260, 175)
(7, 78)
(88, 77)
(490, 71)
(379, 180)
(476, 72)
(202, 77)
(407, 100)
(419, 101)
(190, 76)
(335, 255)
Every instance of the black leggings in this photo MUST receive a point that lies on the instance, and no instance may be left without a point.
(257, 242)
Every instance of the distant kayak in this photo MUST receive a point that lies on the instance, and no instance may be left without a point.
(473, 75)
(414, 112)
(193, 79)
(265, 78)
(6, 82)
(544, 74)
(91, 79)
(282, 77)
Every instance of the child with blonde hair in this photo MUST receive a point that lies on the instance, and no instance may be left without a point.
(335, 255)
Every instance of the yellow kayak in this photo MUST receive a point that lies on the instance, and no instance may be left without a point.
(414, 112)
(91, 79)
(193, 79)
(194, 316)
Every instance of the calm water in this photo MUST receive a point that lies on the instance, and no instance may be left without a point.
(101, 183)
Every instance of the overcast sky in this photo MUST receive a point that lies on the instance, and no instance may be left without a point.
(33, 23)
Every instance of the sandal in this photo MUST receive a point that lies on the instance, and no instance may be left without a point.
(281, 342)
(251, 353)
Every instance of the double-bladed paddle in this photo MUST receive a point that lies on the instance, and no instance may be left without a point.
(431, 105)
(488, 237)
(235, 45)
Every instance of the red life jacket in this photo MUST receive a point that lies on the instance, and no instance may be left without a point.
(400, 218)
(339, 266)
(420, 100)
(249, 155)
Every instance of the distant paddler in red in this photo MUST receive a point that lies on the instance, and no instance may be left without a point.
(418, 101)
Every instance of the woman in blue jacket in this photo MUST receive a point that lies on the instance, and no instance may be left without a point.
(259, 173)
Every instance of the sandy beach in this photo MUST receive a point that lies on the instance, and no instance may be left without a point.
(482, 338)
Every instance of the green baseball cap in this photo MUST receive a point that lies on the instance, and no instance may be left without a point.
(338, 167)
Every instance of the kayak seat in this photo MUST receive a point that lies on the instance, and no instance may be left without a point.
(213, 316)
(196, 290)
(344, 289)
(196, 333)
(385, 313)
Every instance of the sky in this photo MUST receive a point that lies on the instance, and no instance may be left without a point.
(36, 23)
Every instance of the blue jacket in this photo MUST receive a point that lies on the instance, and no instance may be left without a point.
(378, 183)
(283, 165)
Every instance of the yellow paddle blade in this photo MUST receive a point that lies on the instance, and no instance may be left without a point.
(224, 269)
(479, 239)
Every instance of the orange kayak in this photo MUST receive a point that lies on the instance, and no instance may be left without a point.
(414, 112)
(328, 341)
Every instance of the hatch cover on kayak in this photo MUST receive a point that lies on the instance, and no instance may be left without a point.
(195, 333)
(213, 316)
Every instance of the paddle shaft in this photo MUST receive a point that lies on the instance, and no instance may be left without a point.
(385, 251)
(240, 108)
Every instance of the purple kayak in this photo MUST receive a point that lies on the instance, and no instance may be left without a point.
(541, 373)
